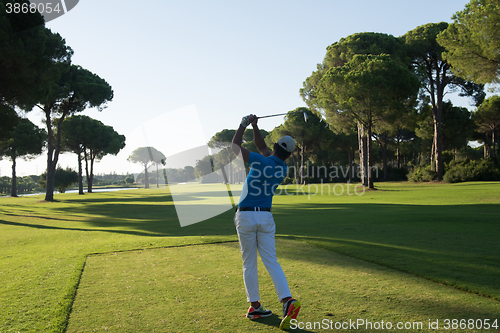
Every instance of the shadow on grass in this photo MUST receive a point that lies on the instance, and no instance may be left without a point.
(275, 321)
(455, 245)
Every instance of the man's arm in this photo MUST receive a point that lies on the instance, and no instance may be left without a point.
(238, 139)
(258, 140)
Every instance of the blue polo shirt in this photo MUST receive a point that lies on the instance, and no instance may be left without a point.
(266, 174)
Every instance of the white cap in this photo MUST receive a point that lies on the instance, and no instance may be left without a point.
(287, 143)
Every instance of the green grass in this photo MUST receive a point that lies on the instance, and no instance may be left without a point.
(444, 233)
(199, 289)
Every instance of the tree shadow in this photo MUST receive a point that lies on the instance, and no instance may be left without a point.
(358, 284)
(275, 321)
(456, 245)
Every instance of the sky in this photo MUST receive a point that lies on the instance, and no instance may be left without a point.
(182, 71)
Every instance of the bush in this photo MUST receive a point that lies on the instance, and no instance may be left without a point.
(393, 174)
(471, 171)
(422, 174)
(63, 179)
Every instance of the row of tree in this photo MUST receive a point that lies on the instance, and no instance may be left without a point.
(64, 179)
(374, 87)
(373, 84)
(36, 72)
(377, 88)
(370, 83)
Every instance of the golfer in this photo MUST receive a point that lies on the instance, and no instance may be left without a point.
(254, 221)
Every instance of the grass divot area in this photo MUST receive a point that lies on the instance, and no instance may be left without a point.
(200, 289)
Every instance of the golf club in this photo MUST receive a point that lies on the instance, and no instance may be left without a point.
(283, 114)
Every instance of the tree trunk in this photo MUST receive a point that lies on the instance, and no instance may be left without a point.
(433, 154)
(415, 154)
(80, 175)
(438, 147)
(350, 166)
(384, 158)
(368, 152)
(498, 146)
(146, 176)
(294, 162)
(486, 147)
(14, 178)
(437, 113)
(493, 146)
(51, 157)
(302, 153)
(91, 179)
(158, 176)
(88, 175)
(363, 155)
(398, 154)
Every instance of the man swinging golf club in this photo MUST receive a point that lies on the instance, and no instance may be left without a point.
(254, 221)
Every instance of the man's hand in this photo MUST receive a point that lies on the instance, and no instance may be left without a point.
(247, 120)
(254, 122)
(238, 138)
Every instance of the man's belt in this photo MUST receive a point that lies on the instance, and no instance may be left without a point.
(253, 209)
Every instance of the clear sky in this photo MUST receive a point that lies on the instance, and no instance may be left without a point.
(183, 70)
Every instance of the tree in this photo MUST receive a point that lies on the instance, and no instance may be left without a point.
(130, 180)
(315, 91)
(487, 120)
(436, 77)
(340, 53)
(90, 139)
(145, 156)
(73, 138)
(307, 135)
(472, 42)
(28, 52)
(366, 89)
(8, 121)
(75, 90)
(63, 179)
(26, 140)
(103, 140)
(457, 127)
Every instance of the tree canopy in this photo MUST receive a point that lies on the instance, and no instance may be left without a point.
(75, 90)
(369, 88)
(340, 53)
(487, 119)
(348, 72)
(472, 42)
(92, 139)
(437, 79)
(26, 140)
(28, 51)
(146, 156)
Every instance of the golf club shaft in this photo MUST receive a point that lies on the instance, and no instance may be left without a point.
(276, 115)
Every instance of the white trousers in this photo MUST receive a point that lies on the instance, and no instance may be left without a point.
(256, 232)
